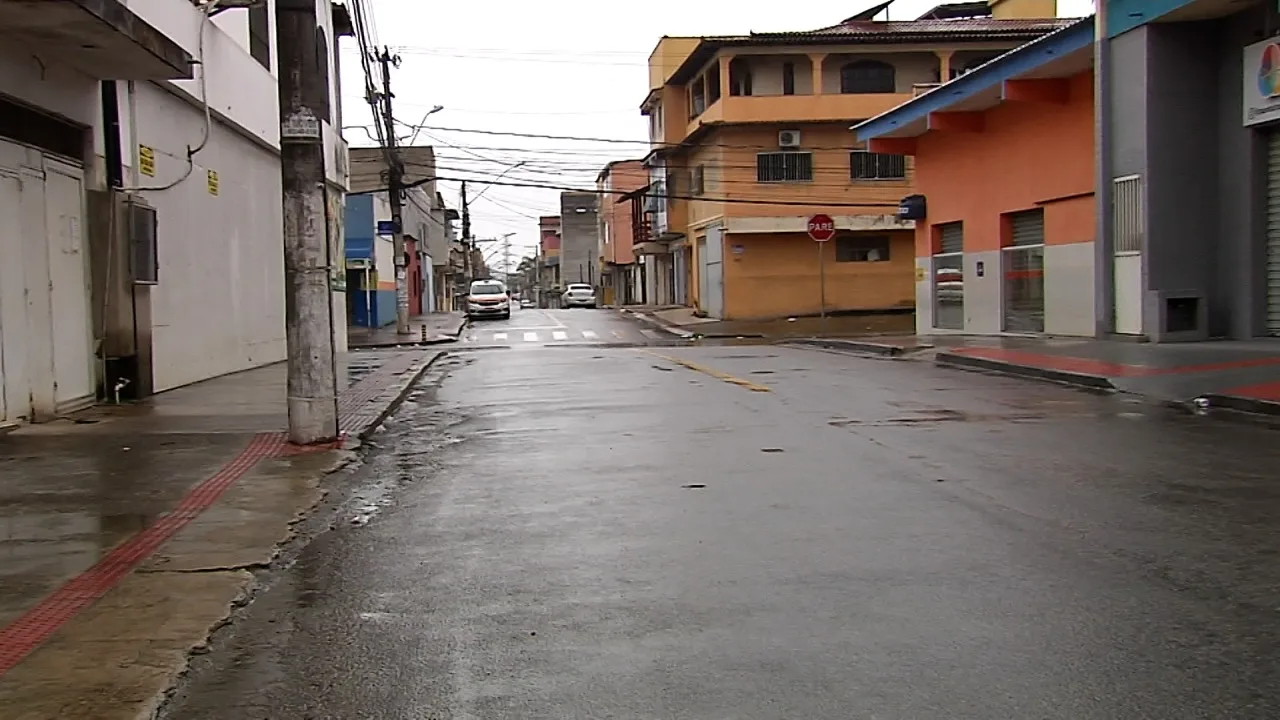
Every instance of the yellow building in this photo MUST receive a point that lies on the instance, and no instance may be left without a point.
(750, 137)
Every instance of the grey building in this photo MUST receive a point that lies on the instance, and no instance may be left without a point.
(579, 238)
(1190, 116)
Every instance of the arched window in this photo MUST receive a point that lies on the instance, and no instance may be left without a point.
(867, 76)
(739, 77)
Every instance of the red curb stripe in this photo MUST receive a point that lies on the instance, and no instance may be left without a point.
(30, 630)
(1107, 369)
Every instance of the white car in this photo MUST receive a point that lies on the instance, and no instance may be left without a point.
(488, 298)
(578, 295)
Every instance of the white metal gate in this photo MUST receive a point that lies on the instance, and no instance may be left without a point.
(46, 349)
(1273, 233)
(712, 293)
(1128, 225)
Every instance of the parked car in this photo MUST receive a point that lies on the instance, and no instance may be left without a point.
(488, 298)
(527, 303)
(579, 295)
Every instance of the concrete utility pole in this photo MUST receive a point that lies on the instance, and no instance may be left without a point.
(312, 385)
(466, 234)
(395, 192)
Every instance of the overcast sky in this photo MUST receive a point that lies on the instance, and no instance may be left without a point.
(566, 68)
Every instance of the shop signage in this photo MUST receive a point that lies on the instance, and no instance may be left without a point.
(1262, 82)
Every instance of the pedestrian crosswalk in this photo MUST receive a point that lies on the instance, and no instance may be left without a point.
(479, 335)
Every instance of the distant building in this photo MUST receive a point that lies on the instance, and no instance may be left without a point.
(622, 274)
(579, 238)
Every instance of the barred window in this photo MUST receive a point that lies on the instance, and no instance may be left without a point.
(784, 167)
(865, 165)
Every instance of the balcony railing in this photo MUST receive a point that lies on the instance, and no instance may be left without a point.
(798, 108)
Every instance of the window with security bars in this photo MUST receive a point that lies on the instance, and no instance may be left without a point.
(778, 167)
(865, 165)
(862, 248)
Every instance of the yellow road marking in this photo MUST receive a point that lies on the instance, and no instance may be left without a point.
(726, 377)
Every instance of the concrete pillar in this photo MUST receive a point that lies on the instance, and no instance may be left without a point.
(817, 60)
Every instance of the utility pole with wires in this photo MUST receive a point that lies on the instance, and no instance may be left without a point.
(312, 396)
(506, 256)
(395, 193)
(466, 235)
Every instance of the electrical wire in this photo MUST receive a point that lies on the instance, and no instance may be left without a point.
(206, 15)
(668, 196)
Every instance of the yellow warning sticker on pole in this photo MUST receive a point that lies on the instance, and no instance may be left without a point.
(213, 182)
(146, 161)
(919, 274)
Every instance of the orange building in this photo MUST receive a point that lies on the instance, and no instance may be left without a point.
(1005, 212)
(621, 279)
(750, 137)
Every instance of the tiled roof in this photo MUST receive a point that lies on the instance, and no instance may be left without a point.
(957, 26)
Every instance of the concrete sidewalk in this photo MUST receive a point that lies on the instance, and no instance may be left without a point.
(128, 533)
(431, 329)
(1242, 375)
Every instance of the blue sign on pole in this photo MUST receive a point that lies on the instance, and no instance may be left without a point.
(386, 227)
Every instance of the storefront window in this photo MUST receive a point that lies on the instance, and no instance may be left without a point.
(948, 277)
(1024, 289)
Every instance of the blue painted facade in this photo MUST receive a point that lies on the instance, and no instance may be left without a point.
(360, 227)
(1011, 65)
(368, 305)
(1125, 15)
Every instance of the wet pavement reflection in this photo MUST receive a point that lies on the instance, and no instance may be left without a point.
(602, 532)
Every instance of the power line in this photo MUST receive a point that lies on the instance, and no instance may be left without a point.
(621, 141)
(667, 196)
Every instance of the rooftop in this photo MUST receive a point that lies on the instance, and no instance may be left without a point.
(1064, 53)
(859, 30)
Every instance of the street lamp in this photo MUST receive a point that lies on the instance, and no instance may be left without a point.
(418, 128)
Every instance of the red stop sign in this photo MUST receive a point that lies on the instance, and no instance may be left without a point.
(821, 227)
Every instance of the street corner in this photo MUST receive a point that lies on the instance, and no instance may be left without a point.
(385, 380)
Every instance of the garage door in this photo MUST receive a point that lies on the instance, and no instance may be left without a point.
(1273, 234)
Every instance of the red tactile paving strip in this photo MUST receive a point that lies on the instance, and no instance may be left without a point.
(356, 410)
(35, 626)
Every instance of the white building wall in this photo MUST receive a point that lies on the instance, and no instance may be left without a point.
(1068, 289)
(219, 305)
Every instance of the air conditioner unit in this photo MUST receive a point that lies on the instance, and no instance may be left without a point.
(789, 138)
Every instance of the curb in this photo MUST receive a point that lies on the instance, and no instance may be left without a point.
(401, 393)
(443, 339)
(647, 318)
(965, 362)
(1243, 404)
(853, 346)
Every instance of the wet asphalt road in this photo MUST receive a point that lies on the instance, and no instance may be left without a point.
(579, 532)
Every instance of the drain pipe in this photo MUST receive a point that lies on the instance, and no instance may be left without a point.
(115, 392)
